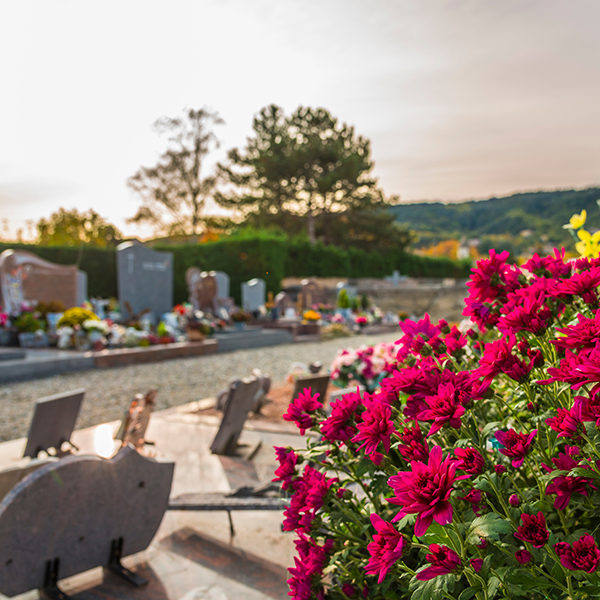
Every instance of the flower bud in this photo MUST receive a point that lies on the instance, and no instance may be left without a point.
(500, 469)
(441, 348)
(483, 544)
(523, 557)
(514, 500)
(476, 563)
(410, 360)
(472, 334)
(426, 350)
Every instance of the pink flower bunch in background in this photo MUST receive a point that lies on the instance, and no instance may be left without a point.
(366, 365)
(470, 467)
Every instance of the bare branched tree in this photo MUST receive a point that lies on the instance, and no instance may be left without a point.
(174, 192)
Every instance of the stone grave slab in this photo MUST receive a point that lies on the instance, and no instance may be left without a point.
(11, 476)
(238, 404)
(71, 513)
(202, 289)
(254, 294)
(53, 422)
(145, 279)
(317, 383)
(25, 277)
(222, 284)
(312, 293)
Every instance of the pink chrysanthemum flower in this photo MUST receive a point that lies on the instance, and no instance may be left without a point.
(516, 445)
(386, 549)
(301, 408)
(424, 490)
(443, 561)
(375, 428)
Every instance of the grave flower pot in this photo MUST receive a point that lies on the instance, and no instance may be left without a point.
(37, 339)
(9, 337)
(194, 335)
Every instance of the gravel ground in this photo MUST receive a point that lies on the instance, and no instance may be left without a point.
(109, 391)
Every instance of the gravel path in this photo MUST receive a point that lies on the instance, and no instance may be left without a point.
(109, 391)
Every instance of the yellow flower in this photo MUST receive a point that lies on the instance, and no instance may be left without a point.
(578, 221)
(311, 315)
(589, 244)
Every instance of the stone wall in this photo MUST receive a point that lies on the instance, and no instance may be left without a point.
(441, 298)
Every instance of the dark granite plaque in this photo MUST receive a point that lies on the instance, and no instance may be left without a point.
(145, 279)
(73, 510)
(53, 422)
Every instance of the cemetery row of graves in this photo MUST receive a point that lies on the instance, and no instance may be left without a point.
(47, 305)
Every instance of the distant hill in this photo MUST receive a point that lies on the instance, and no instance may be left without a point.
(539, 215)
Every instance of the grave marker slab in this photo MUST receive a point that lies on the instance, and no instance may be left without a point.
(75, 510)
(202, 288)
(317, 383)
(238, 404)
(254, 293)
(222, 284)
(145, 279)
(312, 293)
(53, 422)
(25, 277)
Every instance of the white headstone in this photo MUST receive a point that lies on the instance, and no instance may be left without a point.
(222, 284)
(253, 294)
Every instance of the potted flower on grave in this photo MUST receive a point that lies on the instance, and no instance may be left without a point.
(163, 333)
(240, 318)
(362, 321)
(97, 331)
(73, 318)
(31, 333)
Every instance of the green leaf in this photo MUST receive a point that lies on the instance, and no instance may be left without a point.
(490, 427)
(492, 587)
(490, 525)
(430, 590)
(468, 593)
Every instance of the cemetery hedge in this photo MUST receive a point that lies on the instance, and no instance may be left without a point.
(271, 257)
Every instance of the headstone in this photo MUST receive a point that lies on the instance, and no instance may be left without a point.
(254, 294)
(145, 279)
(317, 383)
(82, 287)
(312, 293)
(11, 476)
(202, 289)
(136, 421)
(222, 283)
(396, 278)
(237, 406)
(351, 289)
(25, 277)
(53, 422)
(283, 301)
(71, 513)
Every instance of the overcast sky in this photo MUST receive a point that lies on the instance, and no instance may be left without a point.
(461, 99)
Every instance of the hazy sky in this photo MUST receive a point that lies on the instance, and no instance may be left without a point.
(461, 99)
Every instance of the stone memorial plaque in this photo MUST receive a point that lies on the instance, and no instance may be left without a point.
(82, 287)
(241, 397)
(254, 293)
(25, 277)
(312, 293)
(202, 289)
(53, 422)
(74, 510)
(317, 383)
(145, 279)
(222, 284)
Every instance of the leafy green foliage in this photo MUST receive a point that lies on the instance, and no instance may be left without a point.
(72, 228)
(498, 221)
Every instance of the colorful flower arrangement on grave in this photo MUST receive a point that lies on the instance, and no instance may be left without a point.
(474, 470)
(366, 365)
(311, 315)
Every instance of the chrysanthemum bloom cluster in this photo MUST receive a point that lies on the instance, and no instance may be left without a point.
(472, 470)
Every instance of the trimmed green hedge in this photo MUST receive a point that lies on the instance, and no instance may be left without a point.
(270, 257)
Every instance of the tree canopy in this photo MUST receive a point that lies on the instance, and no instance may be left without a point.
(306, 165)
(174, 191)
(72, 228)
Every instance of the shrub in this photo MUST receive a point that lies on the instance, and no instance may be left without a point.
(474, 470)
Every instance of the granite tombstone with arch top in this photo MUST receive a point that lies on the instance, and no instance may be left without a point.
(145, 278)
